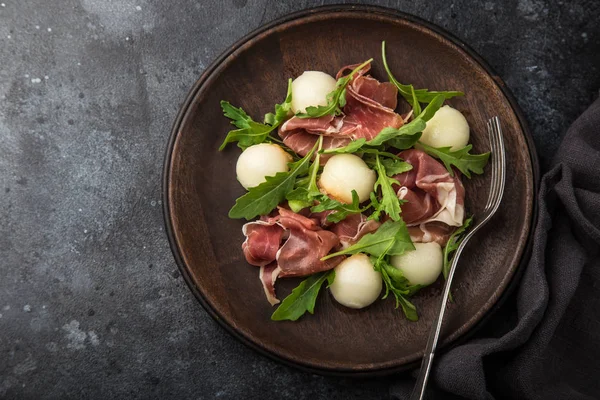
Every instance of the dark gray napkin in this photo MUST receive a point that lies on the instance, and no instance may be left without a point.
(545, 342)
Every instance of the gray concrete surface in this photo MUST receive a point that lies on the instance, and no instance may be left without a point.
(91, 302)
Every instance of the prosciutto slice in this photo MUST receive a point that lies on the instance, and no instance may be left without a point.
(370, 105)
(307, 243)
(431, 232)
(267, 275)
(432, 195)
(262, 241)
(325, 125)
(369, 108)
(302, 142)
(353, 228)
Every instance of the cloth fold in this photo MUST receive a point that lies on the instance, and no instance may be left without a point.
(544, 343)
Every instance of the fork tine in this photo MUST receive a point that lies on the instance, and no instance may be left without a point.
(493, 182)
(489, 129)
(501, 162)
(498, 165)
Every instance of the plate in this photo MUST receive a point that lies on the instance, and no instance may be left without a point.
(200, 187)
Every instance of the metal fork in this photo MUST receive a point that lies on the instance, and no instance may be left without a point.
(495, 196)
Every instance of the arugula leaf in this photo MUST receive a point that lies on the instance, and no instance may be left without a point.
(412, 95)
(304, 195)
(237, 116)
(335, 99)
(376, 214)
(342, 210)
(416, 106)
(389, 203)
(392, 238)
(353, 147)
(251, 132)
(412, 128)
(302, 182)
(409, 309)
(313, 189)
(303, 297)
(255, 134)
(330, 278)
(378, 150)
(299, 199)
(461, 159)
(394, 167)
(434, 105)
(453, 243)
(407, 135)
(400, 281)
(398, 285)
(265, 197)
(282, 111)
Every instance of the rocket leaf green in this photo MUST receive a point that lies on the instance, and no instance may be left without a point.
(392, 238)
(461, 159)
(303, 297)
(262, 199)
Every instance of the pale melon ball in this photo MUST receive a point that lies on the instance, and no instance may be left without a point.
(356, 283)
(259, 161)
(311, 89)
(447, 128)
(346, 172)
(421, 266)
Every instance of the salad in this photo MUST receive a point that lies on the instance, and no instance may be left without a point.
(343, 189)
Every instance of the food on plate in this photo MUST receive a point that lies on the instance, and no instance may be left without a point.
(347, 191)
(447, 128)
(356, 283)
(420, 266)
(344, 173)
(311, 89)
(259, 161)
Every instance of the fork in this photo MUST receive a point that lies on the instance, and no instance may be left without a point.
(494, 198)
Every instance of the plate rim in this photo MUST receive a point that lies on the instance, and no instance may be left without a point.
(174, 134)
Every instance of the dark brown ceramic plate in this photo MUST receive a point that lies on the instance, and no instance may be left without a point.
(200, 187)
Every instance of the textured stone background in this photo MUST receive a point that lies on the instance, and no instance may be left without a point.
(91, 302)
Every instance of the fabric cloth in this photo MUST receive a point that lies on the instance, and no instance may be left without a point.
(544, 343)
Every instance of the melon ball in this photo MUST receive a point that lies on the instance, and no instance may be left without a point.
(421, 266)
(311, 89)
(259, 161)
(346, 172)
(356, 283)
(447, 128)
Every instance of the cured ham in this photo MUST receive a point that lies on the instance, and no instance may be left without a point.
(287, 244)
(307, 243)
(431, 195)
(326, 125)
(262, 241)
(321, 218)
(431, 232)
(267, 275)
(370, 105)
(302, 142)
(353, 228)
(369, 108)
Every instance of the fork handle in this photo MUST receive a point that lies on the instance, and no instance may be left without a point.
(419, 389)
(418, 392)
